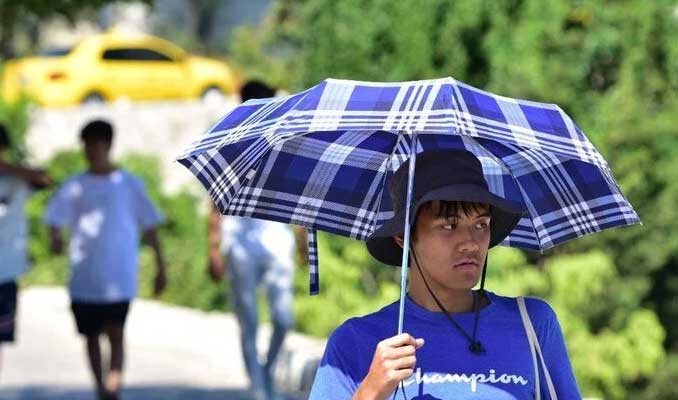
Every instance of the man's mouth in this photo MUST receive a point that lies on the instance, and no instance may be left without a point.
(466, 264)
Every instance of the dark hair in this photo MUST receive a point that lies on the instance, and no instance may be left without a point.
(98, 130)
(449, 209)
(256, 90)
(5, 141)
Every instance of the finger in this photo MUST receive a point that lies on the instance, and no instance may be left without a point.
(403, 363)
(400, 374)
(399, 352)
(398, 340)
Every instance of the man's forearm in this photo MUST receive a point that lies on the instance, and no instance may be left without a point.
(153, 241)
(213, 232)
(55, 240)
(17, 170)
(37, 178)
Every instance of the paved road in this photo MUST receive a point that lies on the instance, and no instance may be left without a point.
(173, 353)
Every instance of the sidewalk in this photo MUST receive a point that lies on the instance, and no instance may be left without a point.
(172, 353)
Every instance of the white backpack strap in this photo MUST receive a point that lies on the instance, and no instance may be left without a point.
(526, 323)
(535, 348)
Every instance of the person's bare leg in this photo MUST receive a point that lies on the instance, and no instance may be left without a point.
(94, 357)
(115, 335)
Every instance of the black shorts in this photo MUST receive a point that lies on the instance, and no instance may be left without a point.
(91, 318)
(7, 311)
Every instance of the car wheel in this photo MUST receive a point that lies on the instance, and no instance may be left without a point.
(93, 98)
(212, 92)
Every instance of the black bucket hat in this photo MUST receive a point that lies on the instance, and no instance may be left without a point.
(447, 175)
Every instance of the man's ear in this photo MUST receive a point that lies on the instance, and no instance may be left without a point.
(399, 240)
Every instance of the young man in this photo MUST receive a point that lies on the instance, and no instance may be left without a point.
(257, 252)
(105, 209)
(16, 183)
(460, 343)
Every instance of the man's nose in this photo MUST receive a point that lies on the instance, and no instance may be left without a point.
(468, 242)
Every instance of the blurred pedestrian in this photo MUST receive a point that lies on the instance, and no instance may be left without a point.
(256, 252)
(16, 184)
(105, 209)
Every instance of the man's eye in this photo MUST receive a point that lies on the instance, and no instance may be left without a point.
(450, 227)
(482, 225)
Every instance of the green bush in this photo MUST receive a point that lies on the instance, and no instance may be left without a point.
(612, 347)
(663, 385)
(14, 117)
(351, 284)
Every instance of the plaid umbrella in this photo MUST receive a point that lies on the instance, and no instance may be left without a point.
(323, 157)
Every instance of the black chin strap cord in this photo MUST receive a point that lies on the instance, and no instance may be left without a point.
(474, 344)
(482, 294)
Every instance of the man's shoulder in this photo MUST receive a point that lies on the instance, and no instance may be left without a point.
(129, 177)
(128, 180)
(530, 301)
(539, 310)
(74, 182)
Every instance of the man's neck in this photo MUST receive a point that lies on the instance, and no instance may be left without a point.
(103, 169)
(454, 301)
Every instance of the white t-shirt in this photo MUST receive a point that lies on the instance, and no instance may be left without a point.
(14, 193)
(258, 238)
(105, 214)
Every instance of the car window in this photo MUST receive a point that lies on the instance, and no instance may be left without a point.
(134, 54)
(56, 52)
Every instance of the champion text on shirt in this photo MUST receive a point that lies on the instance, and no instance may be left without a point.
(472, 379)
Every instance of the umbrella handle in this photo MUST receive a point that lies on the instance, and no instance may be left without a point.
(406, 244)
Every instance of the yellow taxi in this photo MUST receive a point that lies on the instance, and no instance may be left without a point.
(115, 65)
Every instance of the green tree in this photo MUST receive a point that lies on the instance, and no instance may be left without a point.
(607, 359)
(14, 117)
(15, 15)
(352, 284)
(663, 386)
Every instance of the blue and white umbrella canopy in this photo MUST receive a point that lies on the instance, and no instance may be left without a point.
(322, 158)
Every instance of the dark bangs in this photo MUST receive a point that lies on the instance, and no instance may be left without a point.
(452, 209)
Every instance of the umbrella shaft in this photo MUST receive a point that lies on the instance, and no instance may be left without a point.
(406, 244)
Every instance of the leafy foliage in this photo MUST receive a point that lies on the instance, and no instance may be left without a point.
(352, 284)
(663, 386)
(14, 117)
(605, 356)
(14, 14)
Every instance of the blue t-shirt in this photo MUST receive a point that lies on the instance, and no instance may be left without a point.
(446, 369)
